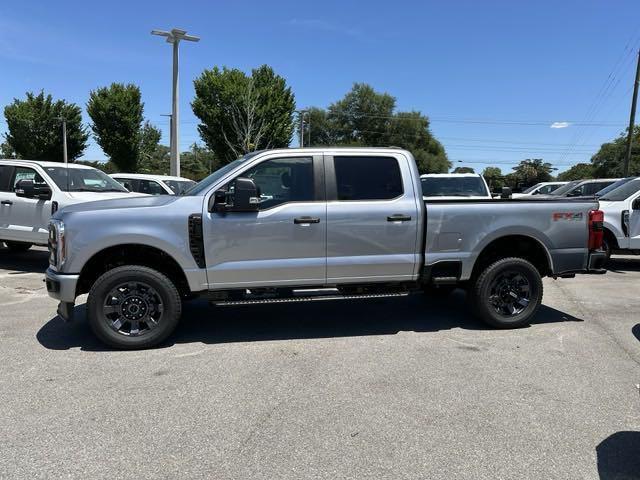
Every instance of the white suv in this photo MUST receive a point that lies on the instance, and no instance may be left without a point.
(30, 191)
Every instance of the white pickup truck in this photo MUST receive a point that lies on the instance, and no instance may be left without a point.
(621, 209)
(31, 191)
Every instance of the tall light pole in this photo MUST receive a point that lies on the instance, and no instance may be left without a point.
(64, 139)
(632, 119)
(174, 37)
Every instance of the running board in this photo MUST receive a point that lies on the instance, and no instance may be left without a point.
(261, 301)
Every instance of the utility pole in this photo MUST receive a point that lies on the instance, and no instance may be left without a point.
(63, 121)
(174, 37)
(632, 119)
(64, 142)
(301, 128)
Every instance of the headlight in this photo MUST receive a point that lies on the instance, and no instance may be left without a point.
(57, 244)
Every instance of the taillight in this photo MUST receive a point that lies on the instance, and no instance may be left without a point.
(596, 230)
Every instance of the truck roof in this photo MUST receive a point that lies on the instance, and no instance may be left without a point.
(15, 161)
(449, 175)
(149, 176)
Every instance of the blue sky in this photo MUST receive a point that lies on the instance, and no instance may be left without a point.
(493, 75)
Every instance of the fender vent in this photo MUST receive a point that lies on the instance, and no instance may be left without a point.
(196, 240)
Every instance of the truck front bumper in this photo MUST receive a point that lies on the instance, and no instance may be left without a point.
(62, 287)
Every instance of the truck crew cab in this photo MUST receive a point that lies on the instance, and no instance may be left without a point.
(303, 224)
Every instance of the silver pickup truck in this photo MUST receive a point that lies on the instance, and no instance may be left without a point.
(308, 224)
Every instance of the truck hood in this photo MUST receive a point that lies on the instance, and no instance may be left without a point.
(124, 201)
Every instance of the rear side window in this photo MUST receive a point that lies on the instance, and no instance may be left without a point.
(367, 178)
(5, 177)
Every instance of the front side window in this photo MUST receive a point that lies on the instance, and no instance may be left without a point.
(623, 192)
(179, 186)
(151, 187)
(367, 178)
(24, 173)
(128, 183)
(282, 180)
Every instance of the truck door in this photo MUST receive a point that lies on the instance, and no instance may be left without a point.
(634, 223)
(28, 218)
(372, 219)
(284, 243)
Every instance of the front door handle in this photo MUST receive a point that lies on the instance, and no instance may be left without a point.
(398, 217)
(6, 202)
(305, 220)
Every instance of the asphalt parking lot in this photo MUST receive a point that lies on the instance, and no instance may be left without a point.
(388, 388)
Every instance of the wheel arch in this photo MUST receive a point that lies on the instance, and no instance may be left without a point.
(132, 254)
(515, 245)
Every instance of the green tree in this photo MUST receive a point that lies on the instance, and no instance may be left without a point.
(157, 163)
(6, 151)
(494, 178)
(577, 172)
(198, 162)
(365, 117)
(149, 140)
(463, 170)
(117, 115)
(241, 113)
(35, 128)
(609, 161)
(532, 171)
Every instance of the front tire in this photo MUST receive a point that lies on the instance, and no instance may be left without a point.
(18, 247)
(133, 307)
(507, 293)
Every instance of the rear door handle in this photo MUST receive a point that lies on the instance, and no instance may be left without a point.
(6, 202)
(398, 217)
(303, 220)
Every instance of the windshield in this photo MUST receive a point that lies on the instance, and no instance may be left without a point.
(532, 188)
(613, 186)
(453, 187)
(83, 180)
(565, 188)
(179, 186)
(623, 192)
(204, 184)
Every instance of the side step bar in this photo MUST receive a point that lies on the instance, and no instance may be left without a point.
(312, 298)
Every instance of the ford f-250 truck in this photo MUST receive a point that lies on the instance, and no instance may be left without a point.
(308, 224)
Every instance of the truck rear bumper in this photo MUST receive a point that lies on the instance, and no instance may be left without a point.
(596, 263)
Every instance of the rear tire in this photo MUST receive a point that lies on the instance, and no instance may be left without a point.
(133, 307)
(507, 293)
(18, 247)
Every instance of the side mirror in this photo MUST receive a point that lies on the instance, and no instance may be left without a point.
(246, 195)
(29, 189)
(636, 204)
(506, 192)
(218, 201)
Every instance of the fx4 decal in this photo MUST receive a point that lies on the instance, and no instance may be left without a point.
(570, 216)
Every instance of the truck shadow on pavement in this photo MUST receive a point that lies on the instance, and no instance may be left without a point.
(325, 319)
(636, 331)
(31, 261)
(619, 456)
